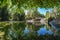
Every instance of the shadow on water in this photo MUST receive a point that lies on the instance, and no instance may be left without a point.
(25, 31)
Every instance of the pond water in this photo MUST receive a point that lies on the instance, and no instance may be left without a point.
(25, 31)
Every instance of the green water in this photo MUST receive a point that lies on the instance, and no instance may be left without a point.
(26, 31)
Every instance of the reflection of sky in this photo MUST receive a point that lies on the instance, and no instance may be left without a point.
(43, 31)
(26, 30)
(43, 10)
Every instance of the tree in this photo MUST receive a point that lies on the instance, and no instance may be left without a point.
(18, 17)
(19, 5)
(37, 14)
(4, 14)
(47, 15)
(33, 14)
(55, 12)
(31, 3)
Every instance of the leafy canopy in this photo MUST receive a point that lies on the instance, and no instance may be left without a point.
(31, 3)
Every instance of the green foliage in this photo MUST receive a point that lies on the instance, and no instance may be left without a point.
(31, 3)
(19, 6)
(34, 14)
(58, 11)
(37, 14)
(47, 15)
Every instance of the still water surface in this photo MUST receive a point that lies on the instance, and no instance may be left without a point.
(17, 30)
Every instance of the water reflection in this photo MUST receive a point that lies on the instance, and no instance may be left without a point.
(24, 31)
(41, 31)
(44, 31)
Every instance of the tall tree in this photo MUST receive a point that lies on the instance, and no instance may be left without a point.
(4, 14)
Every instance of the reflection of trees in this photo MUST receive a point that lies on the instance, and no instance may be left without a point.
(32, 31)
(48, 37)
(16, 30)
(12, 31)
(34, 27)
(4, 28)
(48, 26)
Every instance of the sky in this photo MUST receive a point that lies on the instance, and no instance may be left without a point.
(43, 10)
